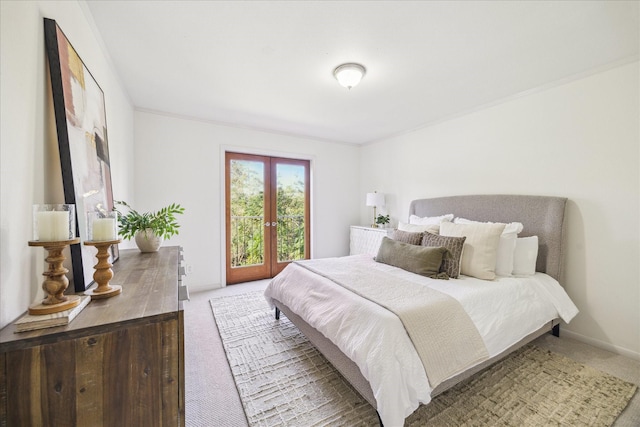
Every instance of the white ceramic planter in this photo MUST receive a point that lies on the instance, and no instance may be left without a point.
(147, 241)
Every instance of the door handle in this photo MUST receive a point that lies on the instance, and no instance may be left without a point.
(266, 224)
(273, 224)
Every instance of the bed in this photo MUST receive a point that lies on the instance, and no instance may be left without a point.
(393, 380)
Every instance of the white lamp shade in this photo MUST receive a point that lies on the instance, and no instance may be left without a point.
(375, 199)
(349, 75)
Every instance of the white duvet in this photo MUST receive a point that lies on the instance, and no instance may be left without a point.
(504, 311)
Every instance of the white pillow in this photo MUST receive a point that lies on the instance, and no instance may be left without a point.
(525, 256)
(414, 219)
(506, 246)
(480, 248)
(415, 228)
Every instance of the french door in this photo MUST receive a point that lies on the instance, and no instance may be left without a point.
(267, 215)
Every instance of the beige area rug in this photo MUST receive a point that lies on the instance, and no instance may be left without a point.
(284, 381)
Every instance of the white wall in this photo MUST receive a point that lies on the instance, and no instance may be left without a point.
(30, 166)
(579, 140)
(182, 161)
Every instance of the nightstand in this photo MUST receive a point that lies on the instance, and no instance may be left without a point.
(366, 240)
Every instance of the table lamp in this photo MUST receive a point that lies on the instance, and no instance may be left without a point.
(375, 199)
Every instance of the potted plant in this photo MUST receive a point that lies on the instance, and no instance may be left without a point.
(149, 228)
(382, 220)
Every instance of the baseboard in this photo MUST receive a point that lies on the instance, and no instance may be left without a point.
(601, 344)
(204, 288)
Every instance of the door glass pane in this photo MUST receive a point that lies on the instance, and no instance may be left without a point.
(247, 213)
(291, 211)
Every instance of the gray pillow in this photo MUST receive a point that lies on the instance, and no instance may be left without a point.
(451, 265)
(421, 260)
(407, 237)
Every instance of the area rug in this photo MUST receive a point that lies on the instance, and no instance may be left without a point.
(283, 380)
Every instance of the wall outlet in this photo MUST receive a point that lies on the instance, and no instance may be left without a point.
(189, 268)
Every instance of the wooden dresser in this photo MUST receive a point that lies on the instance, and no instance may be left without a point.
(120, 362)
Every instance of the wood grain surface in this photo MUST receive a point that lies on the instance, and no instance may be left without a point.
(119, 363)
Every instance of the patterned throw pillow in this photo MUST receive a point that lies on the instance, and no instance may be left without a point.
(451, 266)
(407, 237)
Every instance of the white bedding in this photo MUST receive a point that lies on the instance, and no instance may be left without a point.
(504, 311)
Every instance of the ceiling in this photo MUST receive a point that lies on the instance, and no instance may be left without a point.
(268, 65)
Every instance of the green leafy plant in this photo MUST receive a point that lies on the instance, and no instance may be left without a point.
(163, 223)
(382, 219)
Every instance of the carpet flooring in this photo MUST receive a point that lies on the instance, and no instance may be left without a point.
(212, 399)
(284, 381)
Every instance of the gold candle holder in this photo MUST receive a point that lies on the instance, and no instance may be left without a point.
(103, 273)
(56, 281)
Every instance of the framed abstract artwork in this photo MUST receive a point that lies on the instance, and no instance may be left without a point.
(79, 108)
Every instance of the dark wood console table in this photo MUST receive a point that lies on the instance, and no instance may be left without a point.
(120, 362)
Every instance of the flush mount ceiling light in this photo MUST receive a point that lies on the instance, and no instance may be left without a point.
(349, 75)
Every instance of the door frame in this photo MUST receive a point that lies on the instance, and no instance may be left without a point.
(222, 198)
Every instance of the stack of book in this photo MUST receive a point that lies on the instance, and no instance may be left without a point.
(29, 322)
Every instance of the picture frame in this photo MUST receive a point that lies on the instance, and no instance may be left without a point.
(81, 125)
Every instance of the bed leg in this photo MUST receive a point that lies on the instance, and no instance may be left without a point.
(379, 419)
(556, 331)
(277, 313)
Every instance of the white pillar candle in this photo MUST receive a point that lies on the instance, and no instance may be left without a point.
(104, 229)
(53, 226)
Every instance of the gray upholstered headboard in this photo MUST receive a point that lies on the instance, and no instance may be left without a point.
(541, 216)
